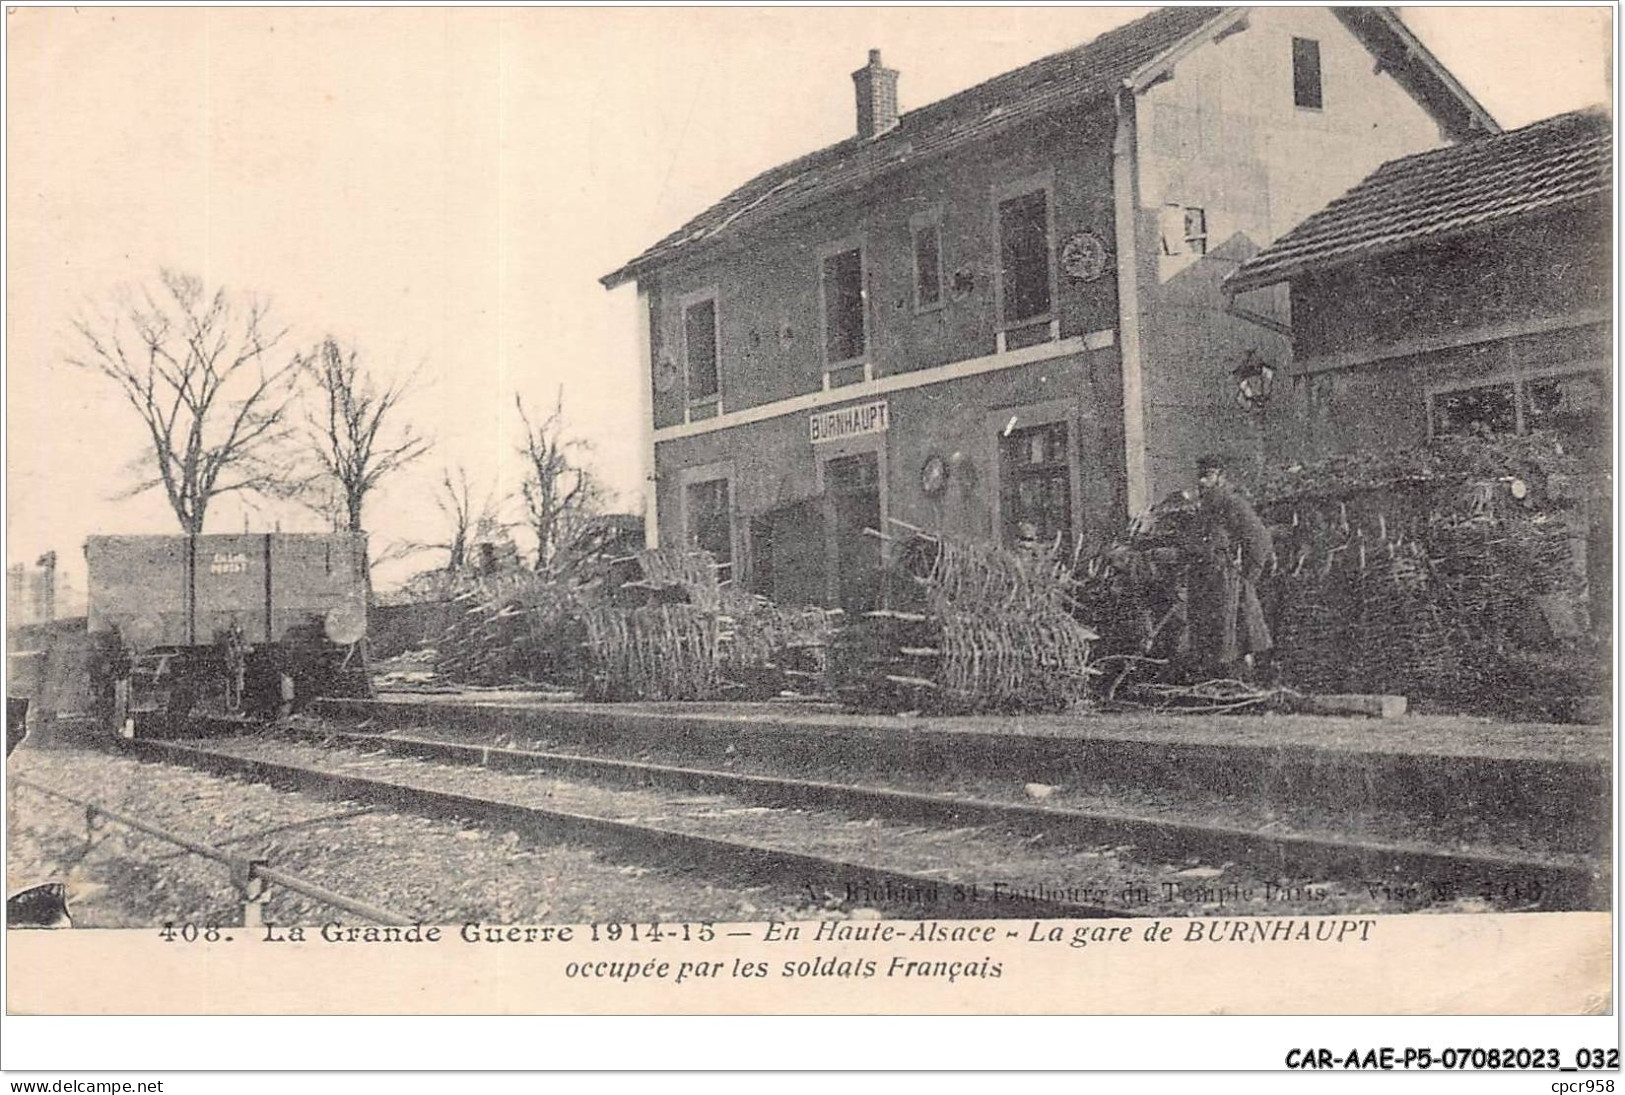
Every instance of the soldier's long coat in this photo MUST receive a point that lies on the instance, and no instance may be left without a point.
(1232, 549)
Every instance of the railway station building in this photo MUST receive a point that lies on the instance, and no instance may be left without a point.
(1467, 288)
(1002, 315)
(1463, 290)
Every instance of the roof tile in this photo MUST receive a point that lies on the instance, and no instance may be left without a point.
(1092, 70)
(1540, 166)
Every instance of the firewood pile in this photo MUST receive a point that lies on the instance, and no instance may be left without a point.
(1399, 638)
(654, 652)
(1312, 633)
(973, 628)
(668, 630)
(656, 625)
(1538, 459)
(1424, 572)
(512, 628)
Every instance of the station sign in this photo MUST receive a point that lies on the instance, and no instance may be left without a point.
(865, 418)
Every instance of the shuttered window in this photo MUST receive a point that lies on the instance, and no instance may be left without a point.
(1024, 256)
(1306, 73)
(927, 265)
(842, 279)
(700, 346)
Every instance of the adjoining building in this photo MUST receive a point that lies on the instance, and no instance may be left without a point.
(1001, 315)
(1464, 289)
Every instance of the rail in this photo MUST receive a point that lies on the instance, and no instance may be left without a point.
(249, 876)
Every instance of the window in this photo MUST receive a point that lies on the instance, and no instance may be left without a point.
(1577, 407)
(1306, 73)
(842, 285)
(1490, 409)
(709, 521)
(1024, 258)
(1036, 502)
(1196, 231)
(926, 229)
(1574, 405)
(700, 357)
(1184, 229)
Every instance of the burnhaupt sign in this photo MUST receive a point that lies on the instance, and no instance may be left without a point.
(849, 422)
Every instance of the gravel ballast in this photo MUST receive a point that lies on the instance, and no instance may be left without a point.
(1441, 825)
(980, 857)
(437, 870)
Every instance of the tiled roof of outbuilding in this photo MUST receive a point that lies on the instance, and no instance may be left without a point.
(1431, 194)
(1092, 70)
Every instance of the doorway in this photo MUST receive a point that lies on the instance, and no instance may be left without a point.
(852, 554)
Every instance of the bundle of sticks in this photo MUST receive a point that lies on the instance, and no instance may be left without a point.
(1399, 638)
(669, 630)
(654, 652)
(974, 628)
(510, 629)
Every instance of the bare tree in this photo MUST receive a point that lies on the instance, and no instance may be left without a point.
(560, 494)
(196, 368)
(469, 522)
(352, 432)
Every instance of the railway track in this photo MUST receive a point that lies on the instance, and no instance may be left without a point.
(863, 883)
(1166, 858)
(1570, 883)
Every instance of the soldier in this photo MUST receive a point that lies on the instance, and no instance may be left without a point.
(1232, 549)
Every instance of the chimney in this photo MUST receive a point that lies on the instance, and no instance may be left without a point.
(877, 97)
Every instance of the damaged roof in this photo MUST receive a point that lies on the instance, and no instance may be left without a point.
(1418, 198)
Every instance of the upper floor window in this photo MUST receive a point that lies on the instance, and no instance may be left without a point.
(1026, 277)
(926, 232)
(1184, 230)
(1196, 231)
(845, 336)
(700, 357)
(1306, 73)
(1024, 255)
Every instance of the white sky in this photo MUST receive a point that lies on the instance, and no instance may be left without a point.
(446, 186)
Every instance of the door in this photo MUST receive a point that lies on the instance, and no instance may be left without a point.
(852, 501)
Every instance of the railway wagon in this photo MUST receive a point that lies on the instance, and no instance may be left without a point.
(238, 624)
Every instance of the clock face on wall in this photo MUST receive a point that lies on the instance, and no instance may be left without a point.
(1083, 257)
(666, 375)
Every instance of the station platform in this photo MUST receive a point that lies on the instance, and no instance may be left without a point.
(1437, 735)
(1449, 762)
